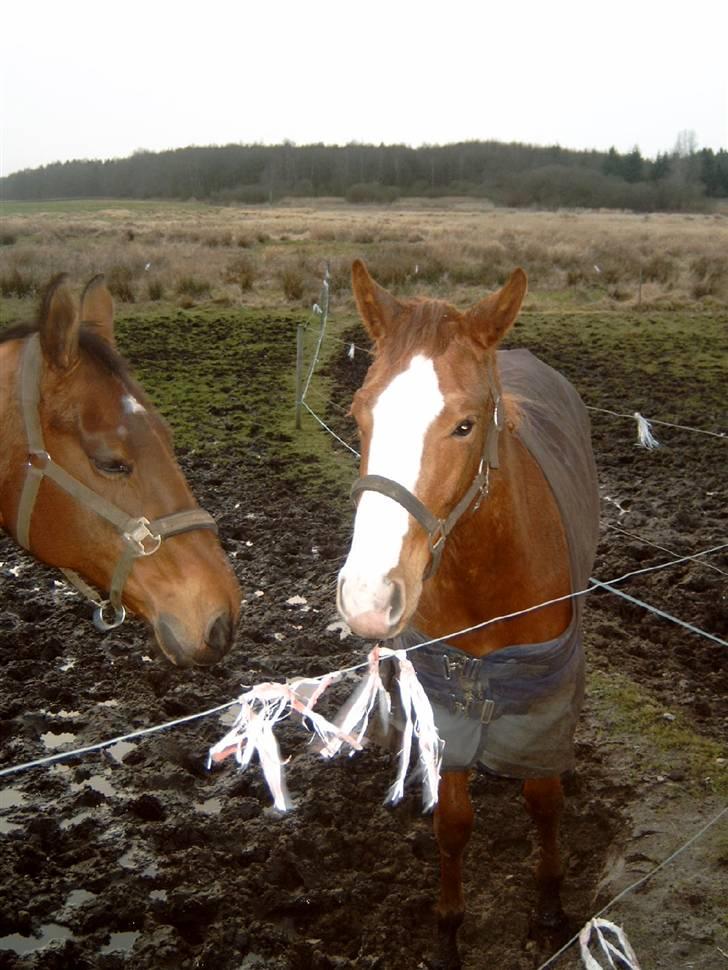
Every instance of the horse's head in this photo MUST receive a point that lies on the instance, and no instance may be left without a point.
(428, 427)
(103, 459)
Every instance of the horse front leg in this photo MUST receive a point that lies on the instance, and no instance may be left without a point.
(453, 823)
(545, 803)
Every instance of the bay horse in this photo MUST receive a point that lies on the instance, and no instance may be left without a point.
(89, 482)
(477, 499)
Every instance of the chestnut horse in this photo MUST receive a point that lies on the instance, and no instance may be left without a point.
(89, 482)
(478, 499)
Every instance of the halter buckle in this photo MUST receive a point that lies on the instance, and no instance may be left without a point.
(104, 625)
(497, 414)
(485, 486)
(39, 459)
(140, 535)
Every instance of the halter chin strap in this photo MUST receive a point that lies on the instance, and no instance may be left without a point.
(140, 537)
(439, 529)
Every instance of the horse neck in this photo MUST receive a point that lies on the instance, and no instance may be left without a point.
(508, 555)
(12, 435)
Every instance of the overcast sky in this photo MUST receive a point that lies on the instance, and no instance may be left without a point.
(100, 80)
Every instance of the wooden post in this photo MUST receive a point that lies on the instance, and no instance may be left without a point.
(299, 372)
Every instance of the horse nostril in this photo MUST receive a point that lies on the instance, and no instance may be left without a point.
(170, 645)
(220, 634)
(396, 602)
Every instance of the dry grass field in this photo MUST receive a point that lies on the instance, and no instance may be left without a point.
(189, 254)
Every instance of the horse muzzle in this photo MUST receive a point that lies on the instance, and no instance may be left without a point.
(374, 613)
(183, 651)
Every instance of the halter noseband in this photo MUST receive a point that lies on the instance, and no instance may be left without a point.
(140, 536)
(439, 529)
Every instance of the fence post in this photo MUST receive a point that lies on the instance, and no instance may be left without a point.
(299, 372)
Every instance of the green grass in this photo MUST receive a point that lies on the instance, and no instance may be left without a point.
(631, 717)
(75, 207)
(611, 356)
(225, 377)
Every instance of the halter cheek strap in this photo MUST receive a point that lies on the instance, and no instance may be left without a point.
(140, 537)
(438, 529)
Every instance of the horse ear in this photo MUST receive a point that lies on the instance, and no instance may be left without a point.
(97, 308)
(59, 324)
(377, 307)
(493, 317)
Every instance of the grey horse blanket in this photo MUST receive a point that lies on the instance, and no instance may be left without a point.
(515, 710)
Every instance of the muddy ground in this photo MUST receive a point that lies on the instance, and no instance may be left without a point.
(139, 857)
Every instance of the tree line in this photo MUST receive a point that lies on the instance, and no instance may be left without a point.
(507, 174)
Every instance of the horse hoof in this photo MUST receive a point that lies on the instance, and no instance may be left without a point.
(449, 962)
(551, 927)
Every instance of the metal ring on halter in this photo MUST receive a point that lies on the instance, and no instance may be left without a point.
(103, 625)
(38, 461)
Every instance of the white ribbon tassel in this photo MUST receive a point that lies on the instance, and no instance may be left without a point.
(260, 710)
(420, 722)
(645, 438)
(327, 732)
(253, 731)
(262, 707)
(623, 951)
(353, 718)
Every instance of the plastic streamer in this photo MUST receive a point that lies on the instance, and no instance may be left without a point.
(619, 950)
(645, 437)
(263, 706)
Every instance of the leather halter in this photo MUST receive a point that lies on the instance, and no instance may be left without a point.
(439, 529)
(140, 537)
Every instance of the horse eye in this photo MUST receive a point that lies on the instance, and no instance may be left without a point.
(463, 429)
(112, 466)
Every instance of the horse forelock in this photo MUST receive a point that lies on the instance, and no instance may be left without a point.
(104, 355)
(423, 327)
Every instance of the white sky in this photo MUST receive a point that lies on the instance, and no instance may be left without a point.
(100, 80)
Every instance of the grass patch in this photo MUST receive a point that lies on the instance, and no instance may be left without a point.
(225, 379)
(631, 716)
(679, 355)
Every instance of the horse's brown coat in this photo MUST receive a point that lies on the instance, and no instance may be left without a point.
(122, 453)
(507, 556)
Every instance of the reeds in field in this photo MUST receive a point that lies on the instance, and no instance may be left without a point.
(454, 249)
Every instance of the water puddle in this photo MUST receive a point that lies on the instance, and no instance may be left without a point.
(68, 664)
(121, 749)
(135, 859)
(50, 933)
(211, 806)
(78, 897)
(229, 717)
(120, 942)
(98, 783)
(76, 819)
(52, 740)
(160, 894)
(11, 797)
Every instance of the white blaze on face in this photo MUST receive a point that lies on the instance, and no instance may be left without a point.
(131, 405)
(401, 417)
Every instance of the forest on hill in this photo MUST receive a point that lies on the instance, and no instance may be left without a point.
(518, 175)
